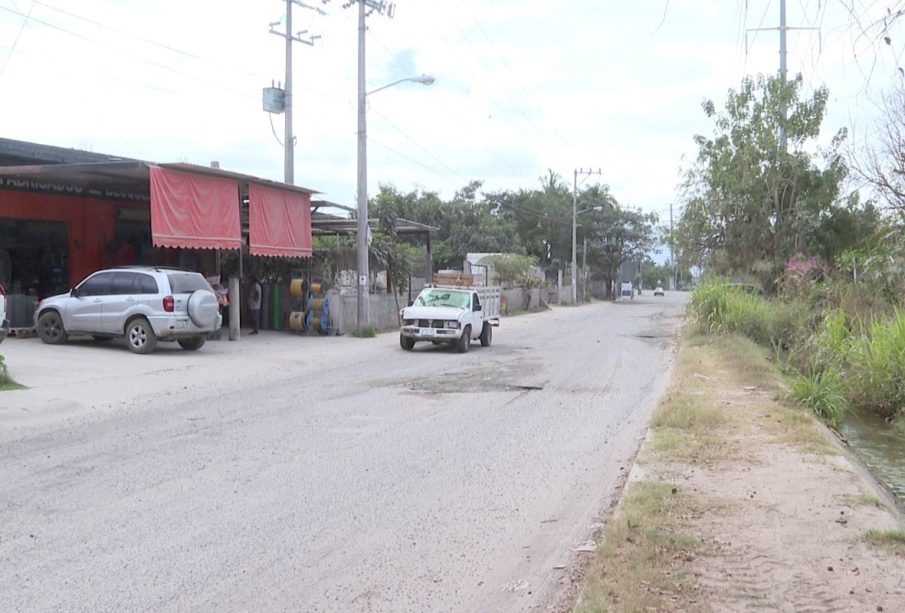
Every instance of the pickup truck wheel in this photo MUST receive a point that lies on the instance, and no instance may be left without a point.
(406, 343)
(486, 335)
(464, 341)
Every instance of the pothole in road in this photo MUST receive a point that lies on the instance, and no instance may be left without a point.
(493, 378)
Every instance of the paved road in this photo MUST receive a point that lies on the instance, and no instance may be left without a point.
(322, 474)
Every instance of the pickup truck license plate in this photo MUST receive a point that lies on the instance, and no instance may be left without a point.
(428, 332)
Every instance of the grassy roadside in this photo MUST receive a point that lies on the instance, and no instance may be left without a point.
(723, 428)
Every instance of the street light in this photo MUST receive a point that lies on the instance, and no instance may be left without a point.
(425, 79)
(362, 194)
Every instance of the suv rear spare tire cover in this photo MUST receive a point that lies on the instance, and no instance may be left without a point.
(203, 308)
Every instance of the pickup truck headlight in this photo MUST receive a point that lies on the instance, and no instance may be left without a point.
(452, 324)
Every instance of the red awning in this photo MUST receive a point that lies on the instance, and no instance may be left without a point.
(279, 222)
(194, 211)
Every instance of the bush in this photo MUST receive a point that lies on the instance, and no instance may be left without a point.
(822, 391)
(366, 332)
(6, 382)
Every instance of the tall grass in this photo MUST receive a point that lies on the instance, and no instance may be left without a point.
(822, 391)
(876, 360)
(720, 307)
(835, 361)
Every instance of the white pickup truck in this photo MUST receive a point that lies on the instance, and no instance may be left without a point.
(451, 315)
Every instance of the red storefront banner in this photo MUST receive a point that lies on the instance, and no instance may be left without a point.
(279, 222)
(194, 211)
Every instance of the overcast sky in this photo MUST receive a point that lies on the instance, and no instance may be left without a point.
(522, 86)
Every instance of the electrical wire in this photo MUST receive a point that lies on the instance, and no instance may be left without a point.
(168, 47)
(480, 27)
(133, 55)
(406, 157)
(16, 40)
(467, 127)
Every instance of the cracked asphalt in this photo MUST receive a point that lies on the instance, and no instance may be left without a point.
(286, 473)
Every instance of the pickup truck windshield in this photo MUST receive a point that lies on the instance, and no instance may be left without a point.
(443, 297)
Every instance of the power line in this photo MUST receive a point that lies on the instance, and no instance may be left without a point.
(188, 54)
(16, 41)
(470, 130)
(130, 54)
(405, 157)
(446, 109)
(497, 81)
(425, 150)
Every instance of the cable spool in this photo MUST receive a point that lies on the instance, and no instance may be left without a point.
(318, 315)
(315, 287)
(297, 321)
(296, 287)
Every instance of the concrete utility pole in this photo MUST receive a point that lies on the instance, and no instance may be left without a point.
(782, 68)
(783, 30)
(364, 297)
(289, 139)
(365, 8)
(672, 253)
(586, 173)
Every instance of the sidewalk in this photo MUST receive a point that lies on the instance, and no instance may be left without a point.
(739, 501)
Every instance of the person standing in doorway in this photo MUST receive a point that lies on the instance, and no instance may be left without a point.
(254, 304)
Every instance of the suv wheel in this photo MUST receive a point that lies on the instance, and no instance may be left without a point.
(140, 337)
(50, 328)
(191, 344)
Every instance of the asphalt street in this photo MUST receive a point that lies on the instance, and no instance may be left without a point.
(286, 473)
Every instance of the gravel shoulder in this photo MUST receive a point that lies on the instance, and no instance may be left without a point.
(739, 500)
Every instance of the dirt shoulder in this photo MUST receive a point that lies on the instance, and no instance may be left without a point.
(739, 500)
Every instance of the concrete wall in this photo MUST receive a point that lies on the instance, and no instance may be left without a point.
(383, 312)
(385, 315)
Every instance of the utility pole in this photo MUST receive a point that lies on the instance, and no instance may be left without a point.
(586, 174)
(672, 253)
(782, 70)
(783, 30)
(365, 8)
(288, 138)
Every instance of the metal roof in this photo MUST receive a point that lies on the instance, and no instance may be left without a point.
(88, 172)
(321, 223)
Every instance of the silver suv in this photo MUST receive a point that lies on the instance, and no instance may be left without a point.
(141, 304)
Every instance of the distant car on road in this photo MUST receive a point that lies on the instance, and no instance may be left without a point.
(141, 304)
(658, 291)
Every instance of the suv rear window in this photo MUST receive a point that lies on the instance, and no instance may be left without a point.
(187, 282)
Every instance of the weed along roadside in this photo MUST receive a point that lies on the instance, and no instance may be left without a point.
(741, 499)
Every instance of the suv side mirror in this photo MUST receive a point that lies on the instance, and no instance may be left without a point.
(74, 292)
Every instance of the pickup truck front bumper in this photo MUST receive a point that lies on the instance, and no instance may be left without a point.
(431, 334)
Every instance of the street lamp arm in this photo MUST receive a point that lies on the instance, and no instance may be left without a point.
(596, 207)
(424, 79)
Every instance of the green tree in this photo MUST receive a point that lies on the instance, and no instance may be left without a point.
(618, 236)
(750, 201)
